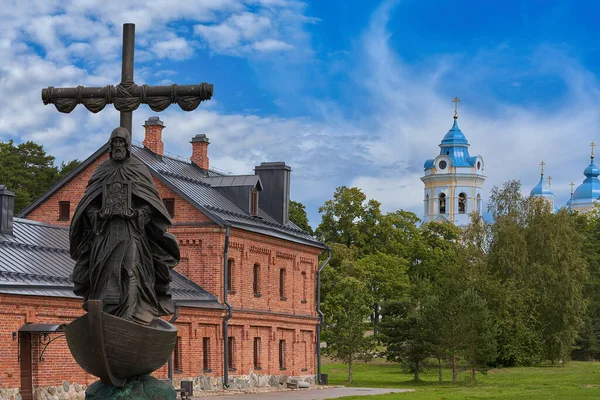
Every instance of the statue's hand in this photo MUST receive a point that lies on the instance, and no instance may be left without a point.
(129, 213)
(105, 213)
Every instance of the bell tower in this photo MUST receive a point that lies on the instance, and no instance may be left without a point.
(453, 180)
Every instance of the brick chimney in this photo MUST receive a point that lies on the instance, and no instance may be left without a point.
(7, 209)
(200, 150)
(153, 138)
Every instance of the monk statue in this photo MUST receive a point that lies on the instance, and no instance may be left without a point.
(119, 241)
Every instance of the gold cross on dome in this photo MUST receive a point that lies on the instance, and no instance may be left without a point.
(549, 181)
(542, 164)
(592, 145)
(456, 101)
(572, 184)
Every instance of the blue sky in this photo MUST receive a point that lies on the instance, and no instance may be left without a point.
(354, 93)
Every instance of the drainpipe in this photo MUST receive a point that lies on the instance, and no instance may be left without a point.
(170, 363)
(321, 315)
(228, 316)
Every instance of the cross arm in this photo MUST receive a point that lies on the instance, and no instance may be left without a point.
(128, 97)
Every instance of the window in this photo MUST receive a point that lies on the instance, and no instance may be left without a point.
(64, 210)
(282, 284)
(478, 202)
(177, 355)
(304, 287)
(426, 205)
(443, 164)
(254, 202)
(257, 353)
(282, 354)
(170, 206)
(256, 282)
(230, 349)
(206, 354)
(230, 275)
(462, 203)
(442, 203)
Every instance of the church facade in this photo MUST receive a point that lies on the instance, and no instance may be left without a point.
(453, 180)
(251, 274)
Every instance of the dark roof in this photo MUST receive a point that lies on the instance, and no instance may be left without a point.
(200, 188)
(35, 261)
(234, 180)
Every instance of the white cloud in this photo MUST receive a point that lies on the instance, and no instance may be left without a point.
(271, 45)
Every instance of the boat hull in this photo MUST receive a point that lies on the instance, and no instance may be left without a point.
(115, 349)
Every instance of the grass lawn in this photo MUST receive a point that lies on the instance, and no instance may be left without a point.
(576, 380)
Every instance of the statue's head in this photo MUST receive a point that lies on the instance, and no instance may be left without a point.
(120, 144)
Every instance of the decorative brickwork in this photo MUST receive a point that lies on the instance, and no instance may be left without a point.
(267, 316)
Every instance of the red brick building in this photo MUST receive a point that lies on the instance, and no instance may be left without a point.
(249, 314)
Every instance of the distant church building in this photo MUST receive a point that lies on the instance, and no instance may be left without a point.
(543, 190)
(453, 180)
(588, 192)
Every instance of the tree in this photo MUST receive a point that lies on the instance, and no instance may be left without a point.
(346, 308)
(339, 222)
(27, 170)
(66, 168)
(406, 330)
(386, 279)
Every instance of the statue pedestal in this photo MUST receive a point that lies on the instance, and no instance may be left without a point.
(143, 387)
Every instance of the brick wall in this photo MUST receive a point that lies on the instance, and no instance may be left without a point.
(292, 318)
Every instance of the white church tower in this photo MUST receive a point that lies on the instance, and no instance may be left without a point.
(453, 180)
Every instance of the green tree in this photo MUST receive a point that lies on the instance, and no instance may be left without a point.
(66, 168)
(340, 215)
(27, 170)
(347, 306)
(407, 331)
(385, 277)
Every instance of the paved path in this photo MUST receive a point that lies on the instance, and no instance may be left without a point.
(303, 394)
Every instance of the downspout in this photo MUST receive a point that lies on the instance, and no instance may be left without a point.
(170, 363)
(321, 315)
(228, 316)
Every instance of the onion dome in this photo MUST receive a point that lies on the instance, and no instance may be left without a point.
(589, 190)
(542, 189)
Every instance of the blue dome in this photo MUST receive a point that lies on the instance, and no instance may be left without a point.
(454, 137)
(541, 189)
(589, 190)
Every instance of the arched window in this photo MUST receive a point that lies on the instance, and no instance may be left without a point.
(442, 203)
(462, 203)
(426, 205)
(478, 202)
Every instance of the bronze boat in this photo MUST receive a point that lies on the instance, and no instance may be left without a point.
(114, 349)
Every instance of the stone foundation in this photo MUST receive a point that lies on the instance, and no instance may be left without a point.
(240, 382)
(9, 394)
(202, 383)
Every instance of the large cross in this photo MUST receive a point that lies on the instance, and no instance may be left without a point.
(549, 181)
(572, 184)
(456, 101)
(127, 96)
(592, 145)
(542, 164)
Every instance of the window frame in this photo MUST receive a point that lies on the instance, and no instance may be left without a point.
(256, 280)
(282, 355)
(169, 204)
(282, 274)
(256, 353)
(230, 266)
(61, 215)
(206, 354)
(230, 353)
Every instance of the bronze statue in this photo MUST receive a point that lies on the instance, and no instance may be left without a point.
(119, 241)
(122, 250)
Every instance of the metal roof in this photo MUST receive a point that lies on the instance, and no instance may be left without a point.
(35, 261)
(199, 187)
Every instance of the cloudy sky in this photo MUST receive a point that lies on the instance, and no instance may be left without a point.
(355, 93)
